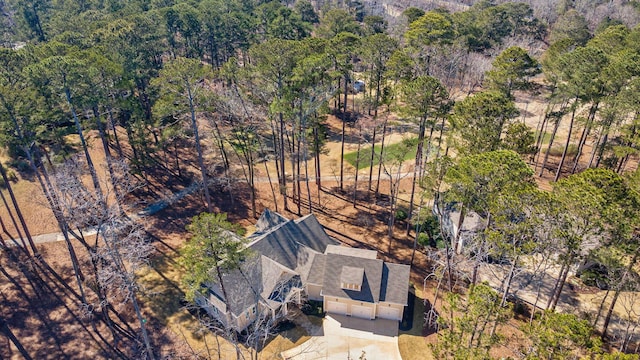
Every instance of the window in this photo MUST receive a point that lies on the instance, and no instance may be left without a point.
(349, 286)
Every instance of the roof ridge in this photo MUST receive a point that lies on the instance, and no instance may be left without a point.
(270, 230)
(305, 217)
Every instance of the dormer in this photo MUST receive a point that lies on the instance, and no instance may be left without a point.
(351, 278)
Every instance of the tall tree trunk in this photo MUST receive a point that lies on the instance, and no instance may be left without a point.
(203, 169)
(177, 157)
(456, 239)
(427, 150)
(134, 149)
(509, 280)
(23, 246)
(566, 145)
(114, 129)
(85, 148)
(282, 177)
(246, 154)
(376, 103)
(108, 159)
(373, 152)
(142, 321)
(539, 283)
(416, 170)
(595, 147)
(440, 136)
(558, 290)
(584, 135)
(297, 171)
(252, 185)
(628, 270)
(316, 145)
(418, 231)
(120, 266)
(47, 189)
(546, 155)
(305, 151)
(355, 184)
(600, 308)
(223, 152)
(384, 133)
(344, 123)
(540, 131)
(602, 146)
(275, 140)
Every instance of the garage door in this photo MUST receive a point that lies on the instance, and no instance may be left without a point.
(361, 311)
(336, 308)
(389, 313)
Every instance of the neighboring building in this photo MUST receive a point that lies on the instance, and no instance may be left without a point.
(295, 259)
(472, 225)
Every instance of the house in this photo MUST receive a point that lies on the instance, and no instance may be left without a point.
(472, 225)
(293, 260)
(354, 282)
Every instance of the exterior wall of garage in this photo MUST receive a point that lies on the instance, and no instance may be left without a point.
(351, 306)
(382, 310)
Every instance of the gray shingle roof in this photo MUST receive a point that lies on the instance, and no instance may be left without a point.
(306, 257)
(243, 286)
(395, 283)
(283, 242)
(256, 280)
(316, 273)
(282, 252)
(313, 235)
(267, 220)
(370, 290)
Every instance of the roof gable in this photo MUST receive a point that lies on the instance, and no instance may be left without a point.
(268, 220)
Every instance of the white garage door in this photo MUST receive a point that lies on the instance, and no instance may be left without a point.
(361, 311)
(336, 308)
(389, 313)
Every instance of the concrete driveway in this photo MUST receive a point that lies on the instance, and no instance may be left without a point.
(345, 338)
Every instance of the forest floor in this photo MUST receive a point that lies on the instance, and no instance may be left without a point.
(173, 328)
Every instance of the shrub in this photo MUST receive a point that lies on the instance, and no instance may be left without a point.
(402, 214)
(557, 150)
(424, 240)
(11, 176)
(595, 277)
(312, 308)
(21, 165)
